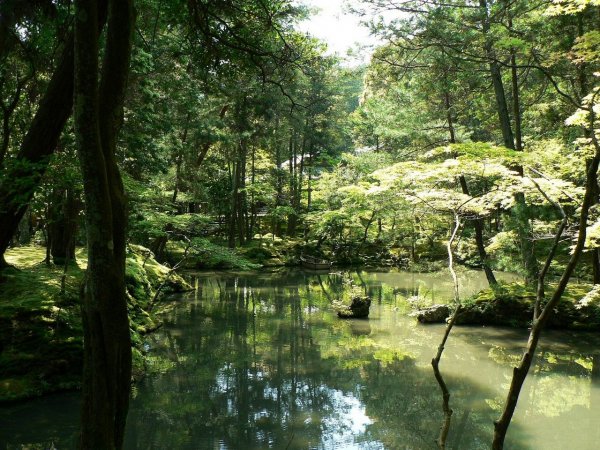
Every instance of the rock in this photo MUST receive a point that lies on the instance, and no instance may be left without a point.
(433, 314)
(359, 308)
(513, 306)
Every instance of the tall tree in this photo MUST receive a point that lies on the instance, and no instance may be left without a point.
(97, 116)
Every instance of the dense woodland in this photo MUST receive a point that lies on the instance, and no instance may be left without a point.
(215, 135)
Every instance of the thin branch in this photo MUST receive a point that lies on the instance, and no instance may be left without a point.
(545, 177)
(171, 272)
(445, 428)
(540, 295)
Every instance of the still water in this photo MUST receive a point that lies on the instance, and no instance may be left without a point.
(260, 360)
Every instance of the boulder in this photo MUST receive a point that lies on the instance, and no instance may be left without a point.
(433, 314)
(359, 308)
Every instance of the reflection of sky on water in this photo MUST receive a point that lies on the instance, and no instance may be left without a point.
(342, 422)
(345, 423)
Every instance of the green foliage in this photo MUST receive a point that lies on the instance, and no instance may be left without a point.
(512, 304)
(208, 255)
(159, 224)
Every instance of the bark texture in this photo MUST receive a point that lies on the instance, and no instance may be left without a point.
(98, 115)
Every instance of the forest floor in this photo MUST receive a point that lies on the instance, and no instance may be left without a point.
(41, 344)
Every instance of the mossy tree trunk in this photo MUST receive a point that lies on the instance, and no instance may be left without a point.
(97, 118)
(38, 144)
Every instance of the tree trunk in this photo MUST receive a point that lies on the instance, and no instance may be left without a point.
(7, 112)
(62, 225)
(479, 240)
(97, 118)
(292, 218)
(516, 102)
(251, 222)
(233, 215)
(496, 76)
(241, 203)
(279, 188)
(178, 162)
(367, 226)
(477, 223)
(582, 67)
(300, 176)
(519, 212)
(309, 187)
(179, 159)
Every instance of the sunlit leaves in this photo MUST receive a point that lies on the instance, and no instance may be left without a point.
(559, 7)
(587, 48)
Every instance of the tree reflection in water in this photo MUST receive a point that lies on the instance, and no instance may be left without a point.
(253, 361)
(262, 362)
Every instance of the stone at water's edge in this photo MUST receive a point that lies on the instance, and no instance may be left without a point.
(359, 308)
(433, 314)
(516, 312)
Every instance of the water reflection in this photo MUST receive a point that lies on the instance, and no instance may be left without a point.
(255, 361)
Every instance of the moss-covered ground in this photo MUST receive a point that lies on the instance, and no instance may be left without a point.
(511, 304)
(40, 324)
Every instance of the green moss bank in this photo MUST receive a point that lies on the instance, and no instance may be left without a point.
(512, 305)
(41, 343)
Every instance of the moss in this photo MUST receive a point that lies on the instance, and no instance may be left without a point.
(512, 305)
(258, 254)
(41, 344)
(138, 363)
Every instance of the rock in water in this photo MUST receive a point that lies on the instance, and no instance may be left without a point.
(433, 314)
(359, 308)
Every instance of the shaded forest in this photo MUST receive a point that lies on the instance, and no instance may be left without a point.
(145, 139)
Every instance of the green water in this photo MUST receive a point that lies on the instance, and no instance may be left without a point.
(260, 360)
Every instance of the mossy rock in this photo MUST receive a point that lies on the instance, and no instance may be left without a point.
(512, 305)
(433, 314)
(358, 309)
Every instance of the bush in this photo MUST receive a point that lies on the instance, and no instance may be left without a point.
(207, 255)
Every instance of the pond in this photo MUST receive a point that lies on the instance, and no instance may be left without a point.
(260, 360)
